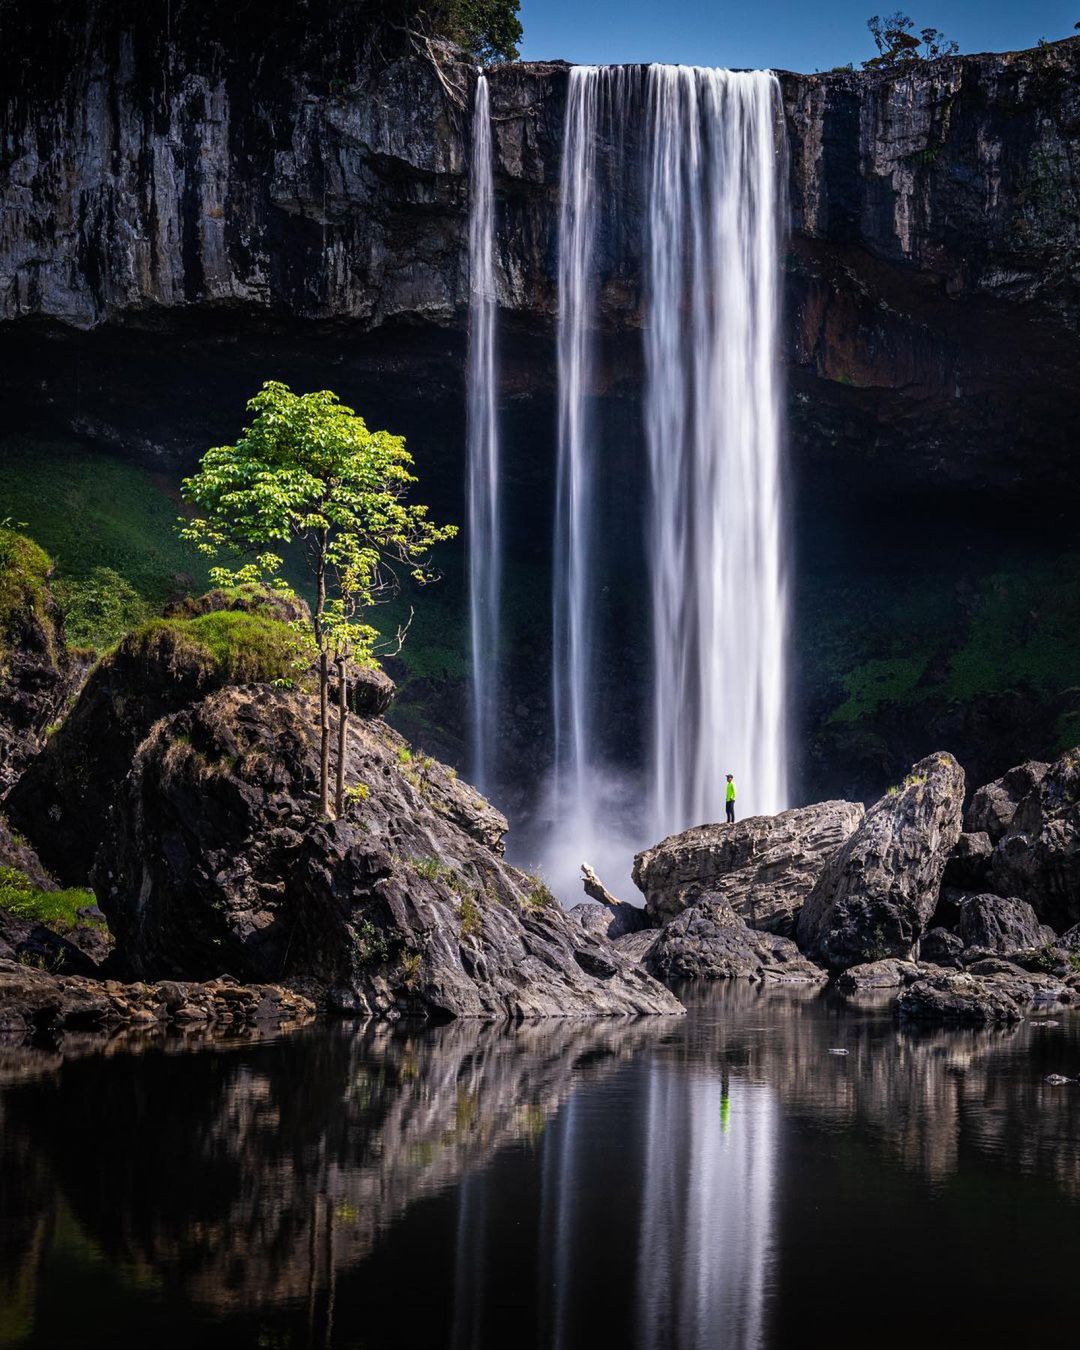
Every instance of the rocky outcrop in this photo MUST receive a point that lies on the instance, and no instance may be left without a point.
(969, 863)
(36, 1002)
(763, 867)
(1038, 857)
(876, 895)
(62, 801)
(216, 862)
(989, 993)
(31, 945)
(996, 924)
(16, 854)
(993, 808)
(710, 941)
(875, 976)
(941, 948)
(603, 913)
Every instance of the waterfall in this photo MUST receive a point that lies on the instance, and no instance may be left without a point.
(710, 170)
(482, 447)
(715, 535)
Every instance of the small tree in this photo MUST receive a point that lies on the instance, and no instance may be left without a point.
(489, 29)
(897, 44)
(308, 471)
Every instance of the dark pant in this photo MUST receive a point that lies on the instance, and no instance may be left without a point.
(731, 812)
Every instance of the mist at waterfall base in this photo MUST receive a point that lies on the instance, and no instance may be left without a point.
(703, 149)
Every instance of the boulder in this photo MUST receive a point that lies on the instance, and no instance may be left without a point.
(607, 921)
(1038, 857)
(62, 801)
(763, 867)
(284, 606)
(875, 975)
(941, 948)
(969, 862)
(991, 990)
(32, 945)
(996, 924)
(876, 895)
(710, 941)
(992, 808)
(216, 860)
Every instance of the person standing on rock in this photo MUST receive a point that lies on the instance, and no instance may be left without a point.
(729, 799)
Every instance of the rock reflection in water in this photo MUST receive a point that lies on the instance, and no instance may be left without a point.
(652, 1184)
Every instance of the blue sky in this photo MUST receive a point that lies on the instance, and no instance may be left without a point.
(783, 34)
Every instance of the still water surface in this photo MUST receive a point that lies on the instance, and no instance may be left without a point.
(718, 1181)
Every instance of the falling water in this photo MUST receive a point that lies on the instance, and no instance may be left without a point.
(483, 445)
(713, 428)
(712, 176)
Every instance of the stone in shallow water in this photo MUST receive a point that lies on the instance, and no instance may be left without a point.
(710, 941)
(1000, 924)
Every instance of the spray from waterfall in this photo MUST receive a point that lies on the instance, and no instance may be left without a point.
(485, 566)
(715, 530)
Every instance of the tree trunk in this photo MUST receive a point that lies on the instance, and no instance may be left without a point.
(342, 732)
(324, 683)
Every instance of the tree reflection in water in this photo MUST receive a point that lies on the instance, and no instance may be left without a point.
(652, 1183)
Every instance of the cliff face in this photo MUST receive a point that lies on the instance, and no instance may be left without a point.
(197, 198)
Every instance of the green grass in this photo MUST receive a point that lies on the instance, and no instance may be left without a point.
(240, 648)
(91, 510)
(58, 910)
(24, 574)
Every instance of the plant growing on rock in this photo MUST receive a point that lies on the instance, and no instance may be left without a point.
(897, 44)
(307, 471)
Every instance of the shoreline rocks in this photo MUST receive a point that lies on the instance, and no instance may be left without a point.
(710, 941)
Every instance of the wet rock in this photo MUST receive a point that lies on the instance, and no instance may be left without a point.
(992, 808)
(876, 975)
(35, 1002)
(1001, 925)
(216, 859)
(956, 997)
(763, 867)
(875, 896)
(1038, 857)
(941, 948)
(710, 941)
(969, 862)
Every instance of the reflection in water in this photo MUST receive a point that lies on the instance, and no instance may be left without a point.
(667, 1186)
(706, 1212)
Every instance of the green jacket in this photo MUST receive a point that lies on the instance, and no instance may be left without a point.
(730, 793)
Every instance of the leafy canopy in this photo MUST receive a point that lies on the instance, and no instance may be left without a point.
(307, 469)
(489, 29)
(897, 44)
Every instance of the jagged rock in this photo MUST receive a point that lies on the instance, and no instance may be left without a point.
(952, 996)
(62, 801)
(1070, 940)
(992, 808)
(32, 945)
(877, 893)
(37, 673)
(969, 862)
(607, 916)
(370, 691)
(636, 946)
(1038, 857)
(710, 941)
(215, 860)
(941, 948)
(764, 866)
(990, 990)
(1001, 925)
(609, 922)
(875, 975)
(34, 1001)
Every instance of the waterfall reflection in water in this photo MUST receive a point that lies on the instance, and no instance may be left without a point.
(721, 1180)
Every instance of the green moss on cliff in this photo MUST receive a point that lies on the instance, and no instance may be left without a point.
(232, 647)
(25, 568)
(58, 910)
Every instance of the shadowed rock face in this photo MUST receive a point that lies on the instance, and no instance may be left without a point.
(710, 941)
(1001, 924)
(216, 862)
(763, 867)
(876, 895)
